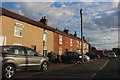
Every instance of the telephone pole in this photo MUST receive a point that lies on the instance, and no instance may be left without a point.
(81, 37)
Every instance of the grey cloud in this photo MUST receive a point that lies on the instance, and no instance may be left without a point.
(107, 21)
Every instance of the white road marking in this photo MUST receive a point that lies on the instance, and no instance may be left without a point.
(93, 75)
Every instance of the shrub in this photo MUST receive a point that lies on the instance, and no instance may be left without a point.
(52, 56)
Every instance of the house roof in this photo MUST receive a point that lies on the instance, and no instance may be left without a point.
(11, 14)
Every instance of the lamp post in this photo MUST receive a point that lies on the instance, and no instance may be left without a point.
(81, 37)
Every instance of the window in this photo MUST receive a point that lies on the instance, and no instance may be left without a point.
(77, 44)
(70, 42)
(2, 40)
(17, 44)
(60, 51)
(31, 52)
(70, 49)
(18, 31)
(60, 39)
(18, 50)
(45, 36)
(6, 49)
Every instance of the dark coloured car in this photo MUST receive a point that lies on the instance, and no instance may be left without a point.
(19, 57)
(92, 55)
(71, 57)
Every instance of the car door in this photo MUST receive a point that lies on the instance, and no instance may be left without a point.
(19, 56)
(33, 58)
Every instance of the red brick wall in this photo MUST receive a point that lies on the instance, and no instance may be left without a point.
(56, 42)
(65, 43)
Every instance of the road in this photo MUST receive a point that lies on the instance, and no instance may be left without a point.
(99, 69)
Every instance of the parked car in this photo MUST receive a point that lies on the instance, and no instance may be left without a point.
(112, 55)
(20, 57)
(73, 57)
(86, 58)
(92, 55)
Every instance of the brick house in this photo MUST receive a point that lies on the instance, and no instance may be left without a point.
(19, 30)
(65, 42)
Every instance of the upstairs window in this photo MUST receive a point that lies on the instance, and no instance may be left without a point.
(45, 36)
(18, 31)
(60, 39)
(77, 43)
(70, 42)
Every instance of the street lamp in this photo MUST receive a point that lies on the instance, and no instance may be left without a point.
(81, 37)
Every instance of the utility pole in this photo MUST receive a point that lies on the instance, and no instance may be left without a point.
(81, 37)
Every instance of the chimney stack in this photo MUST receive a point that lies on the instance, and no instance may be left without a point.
(75, 34)
(44, 20)
(66, 30)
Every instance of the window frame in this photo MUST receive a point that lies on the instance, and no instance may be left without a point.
(60, 51)
(18, 30)
(71, 42)
(45, 36)
(33, 51)
(60, 39)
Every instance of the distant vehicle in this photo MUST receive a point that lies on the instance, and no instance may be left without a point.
(86, 58)
(19, 57)
(112, 55)
(100, 53)
(92, 55)
(73, 57)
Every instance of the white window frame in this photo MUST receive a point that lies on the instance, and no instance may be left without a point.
(71, 43)
(18, 29)
(77, 43)
(45, 36)
(17, 44)
(3, 40)
(60, 51)
(60, 39)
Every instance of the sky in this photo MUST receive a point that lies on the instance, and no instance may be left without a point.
(100, 17)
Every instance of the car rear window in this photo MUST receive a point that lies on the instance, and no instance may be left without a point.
(6, 49)
(69, 53)
(111, 54)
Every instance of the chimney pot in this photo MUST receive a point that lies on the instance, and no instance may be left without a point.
(75, 34)
(66, 30)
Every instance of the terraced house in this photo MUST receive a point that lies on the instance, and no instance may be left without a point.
(19, 30)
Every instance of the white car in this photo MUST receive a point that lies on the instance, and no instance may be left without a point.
(87, 58)
(112, 55)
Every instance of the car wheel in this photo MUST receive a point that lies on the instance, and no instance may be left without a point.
(44, 66)
(8, 71)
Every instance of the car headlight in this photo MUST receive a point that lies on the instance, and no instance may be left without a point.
(80, 56)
